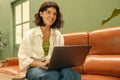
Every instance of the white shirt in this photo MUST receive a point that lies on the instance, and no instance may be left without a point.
(31, 46)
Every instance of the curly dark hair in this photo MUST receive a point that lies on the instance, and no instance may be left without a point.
(39, 20)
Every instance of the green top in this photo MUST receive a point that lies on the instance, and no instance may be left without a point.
(46, 45)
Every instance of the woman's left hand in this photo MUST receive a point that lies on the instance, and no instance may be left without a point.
(47, 61)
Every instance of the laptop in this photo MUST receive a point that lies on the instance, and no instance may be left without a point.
(68, 56)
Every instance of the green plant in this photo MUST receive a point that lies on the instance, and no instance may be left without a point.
(115, 12)
(3, 42)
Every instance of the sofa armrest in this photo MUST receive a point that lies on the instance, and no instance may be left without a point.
(9, 62)
(12, 61)
(10, 66)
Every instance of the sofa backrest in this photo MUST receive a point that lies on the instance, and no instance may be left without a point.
(104, 56)
(105, 41)
(78, 38)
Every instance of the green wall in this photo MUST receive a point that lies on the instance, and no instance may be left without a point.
(83, 15)
(79, 15)
(6, 27)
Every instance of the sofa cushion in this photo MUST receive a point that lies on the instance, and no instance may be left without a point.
(102, 65)
(98, 77)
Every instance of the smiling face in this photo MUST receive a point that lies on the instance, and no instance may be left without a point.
(49, 16)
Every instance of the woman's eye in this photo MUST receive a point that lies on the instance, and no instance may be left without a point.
(48, 12)
(54, 14)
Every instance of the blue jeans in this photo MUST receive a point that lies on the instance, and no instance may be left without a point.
(34, 73)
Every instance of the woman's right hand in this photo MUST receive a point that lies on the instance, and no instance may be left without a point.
(39, 63)
(46, 62)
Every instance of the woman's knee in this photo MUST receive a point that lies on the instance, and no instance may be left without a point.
(69, 73)
(33, 73)
(68, 70)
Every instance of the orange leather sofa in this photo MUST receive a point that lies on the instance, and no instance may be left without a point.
(103, 60)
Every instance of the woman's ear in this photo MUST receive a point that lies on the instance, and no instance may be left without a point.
(41, 14)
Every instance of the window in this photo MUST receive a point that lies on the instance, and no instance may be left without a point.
(21, 19)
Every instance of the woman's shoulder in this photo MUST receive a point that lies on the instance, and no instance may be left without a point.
(56, 31)
(32, 31)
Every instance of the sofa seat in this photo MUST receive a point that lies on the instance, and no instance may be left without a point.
(10, 67)
(103, 65)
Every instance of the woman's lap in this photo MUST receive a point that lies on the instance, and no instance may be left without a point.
(69, 74)
(42, 74)
(35, 73)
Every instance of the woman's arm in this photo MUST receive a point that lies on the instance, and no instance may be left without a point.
(39, 63)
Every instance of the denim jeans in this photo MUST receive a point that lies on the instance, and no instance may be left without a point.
(35, 73)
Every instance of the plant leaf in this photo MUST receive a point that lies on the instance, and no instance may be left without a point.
(115, 12)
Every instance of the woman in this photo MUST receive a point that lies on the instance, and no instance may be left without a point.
(37, 45)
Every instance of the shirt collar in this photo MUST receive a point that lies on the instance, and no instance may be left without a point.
(39, 32)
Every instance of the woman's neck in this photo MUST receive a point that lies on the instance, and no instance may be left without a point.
(46, 33)
(45, 28)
